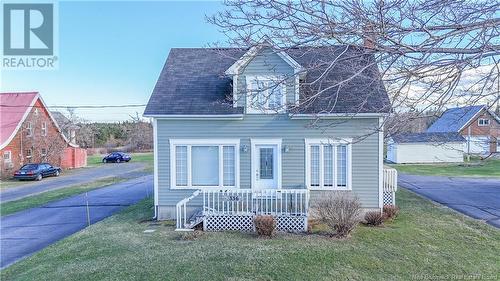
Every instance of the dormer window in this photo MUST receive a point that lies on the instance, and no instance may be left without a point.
(266, 94)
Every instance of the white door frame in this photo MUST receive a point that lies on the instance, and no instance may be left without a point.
(254, 143)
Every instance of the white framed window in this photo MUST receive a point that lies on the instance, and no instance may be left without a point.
(266, 94)
(36, 112)
(29, 129)
(44, 129)
(204, 163)
(43, 152)
(483, 122)
(29, 153)
(7, 156)
(328, 164)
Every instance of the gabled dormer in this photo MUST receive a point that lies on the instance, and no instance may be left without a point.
(265, 80)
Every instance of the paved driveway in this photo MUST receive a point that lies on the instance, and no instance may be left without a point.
(79, 176)
(26, 232)
(476, 197)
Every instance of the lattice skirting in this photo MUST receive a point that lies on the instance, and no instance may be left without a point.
(291, 224)
(389, 198)
(245, 223)
(228, 222)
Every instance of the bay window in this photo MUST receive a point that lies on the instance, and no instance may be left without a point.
(328, 164)
(204, 163)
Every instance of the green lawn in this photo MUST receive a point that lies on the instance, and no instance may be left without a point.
(96, 159)
(48, 196)
(425, 240)
(485, 168)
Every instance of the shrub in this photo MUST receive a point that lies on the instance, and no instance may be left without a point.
(340, 211)
(265, 225)
(390, 212)
(374, 218)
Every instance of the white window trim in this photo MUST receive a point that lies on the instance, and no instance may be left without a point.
(9, 160)
(29, 128)
(248, 101)
(41, 152)
(253, 144)
(205, 142)
(30, 154)
(44, 129)
(334, 142)
(484, 122)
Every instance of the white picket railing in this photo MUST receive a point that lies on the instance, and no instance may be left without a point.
(259, 202)
(390, 186)
(181, 210)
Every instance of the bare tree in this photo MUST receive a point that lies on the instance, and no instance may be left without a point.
(429, 53)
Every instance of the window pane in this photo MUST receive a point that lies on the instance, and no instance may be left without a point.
(181, 165)
(315, 165)
(276, 96)
(328, 165)
(266, 163)
(342, 165)
(229, 166)
(205, 165)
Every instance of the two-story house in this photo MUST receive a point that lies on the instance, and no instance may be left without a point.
(30, 134)
(239, 132)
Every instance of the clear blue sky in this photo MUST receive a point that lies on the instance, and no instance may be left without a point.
(113, 52)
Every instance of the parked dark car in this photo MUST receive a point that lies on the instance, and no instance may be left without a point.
(116, 157)
(37, 171)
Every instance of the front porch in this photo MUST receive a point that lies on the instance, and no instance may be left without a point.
(235, 209)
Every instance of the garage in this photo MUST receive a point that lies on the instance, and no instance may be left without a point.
(477, 144)
(406, 148)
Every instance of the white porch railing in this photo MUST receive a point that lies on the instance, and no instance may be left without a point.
(276, 202)
(390, 186)
(181, 212)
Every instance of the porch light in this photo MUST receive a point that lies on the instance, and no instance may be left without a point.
(286, 148)
(244, 148)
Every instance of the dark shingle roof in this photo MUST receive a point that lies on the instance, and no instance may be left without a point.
(192, 82)
(427, 137)
(454, 119)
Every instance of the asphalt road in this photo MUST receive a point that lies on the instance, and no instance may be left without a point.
(80, 176)
(478, 198)
(26, 232)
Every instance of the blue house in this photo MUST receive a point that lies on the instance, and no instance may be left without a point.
(241, 132)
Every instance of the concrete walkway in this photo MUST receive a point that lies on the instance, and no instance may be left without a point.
(80, 176)
(26, 232)
(478, 198)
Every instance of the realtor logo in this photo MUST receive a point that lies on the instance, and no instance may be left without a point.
(28, 29)
(30, 35)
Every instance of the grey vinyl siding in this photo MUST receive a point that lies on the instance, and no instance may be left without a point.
(266, 63)
(365, 153)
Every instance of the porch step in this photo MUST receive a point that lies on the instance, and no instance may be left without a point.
(194, 220)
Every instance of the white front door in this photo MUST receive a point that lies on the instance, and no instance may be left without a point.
(266, 173)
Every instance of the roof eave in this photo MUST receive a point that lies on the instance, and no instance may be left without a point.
(195, 117)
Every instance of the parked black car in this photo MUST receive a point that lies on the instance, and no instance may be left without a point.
(116, 157)
(37, 171)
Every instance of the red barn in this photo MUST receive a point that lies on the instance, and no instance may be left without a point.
(29, 133)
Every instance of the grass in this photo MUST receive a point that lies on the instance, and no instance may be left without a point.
(48, 196)
(425, 240)
(143, 157)
(485, 168)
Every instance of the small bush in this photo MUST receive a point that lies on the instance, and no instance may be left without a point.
(390, 212)
(265, 225)
(340, 211)
(374, 218)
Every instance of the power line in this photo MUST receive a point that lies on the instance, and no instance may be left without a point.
(76, 106)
